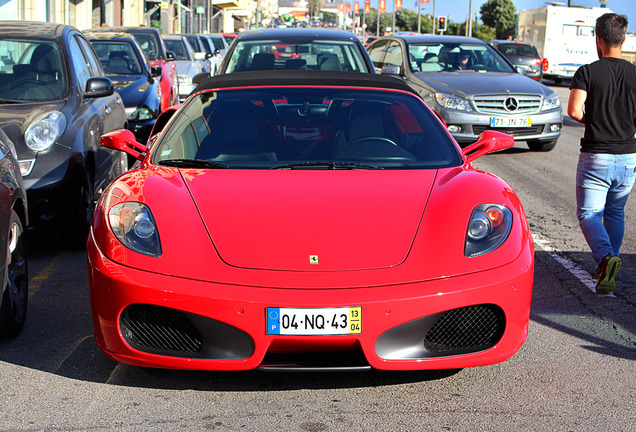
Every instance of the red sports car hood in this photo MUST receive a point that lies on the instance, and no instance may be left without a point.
(313, 220)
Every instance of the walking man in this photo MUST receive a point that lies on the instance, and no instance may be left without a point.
(603, 98)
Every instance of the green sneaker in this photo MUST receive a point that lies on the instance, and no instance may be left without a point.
(608, 269)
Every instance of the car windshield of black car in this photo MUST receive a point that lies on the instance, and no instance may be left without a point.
(334, 55)
(31, 70)
(319, 128)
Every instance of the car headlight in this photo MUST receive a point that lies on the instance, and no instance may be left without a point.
(45, 131)
(551, 102)
(488, 228)
(184, 79)
(133, 225)
(452, 102)
(139, 114)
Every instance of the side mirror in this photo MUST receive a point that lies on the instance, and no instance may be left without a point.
(390, 70)
(521, 70)
(99, 87)
(170, 55)
(217, 51)
(489, 141)
(124, 140)
(156, 71)
(208, 55)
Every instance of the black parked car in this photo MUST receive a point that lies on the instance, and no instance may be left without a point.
(55, 103)
(298, 48)
(13, 222)
(523, 55)
(134, 79)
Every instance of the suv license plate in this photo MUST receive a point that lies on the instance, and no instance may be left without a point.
(314, 321)
(510, 122)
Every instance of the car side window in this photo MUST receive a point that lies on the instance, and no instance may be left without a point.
(79, 63)
(91, 57)
(377, 54)
(394, 55)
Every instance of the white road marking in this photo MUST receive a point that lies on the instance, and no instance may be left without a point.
(584, 276)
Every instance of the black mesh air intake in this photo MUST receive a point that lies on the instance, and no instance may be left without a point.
(468, 328)
(159, 328)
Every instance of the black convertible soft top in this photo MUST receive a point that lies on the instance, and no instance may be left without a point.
(302, 78)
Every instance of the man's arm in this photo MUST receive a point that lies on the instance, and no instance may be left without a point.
(576, 104)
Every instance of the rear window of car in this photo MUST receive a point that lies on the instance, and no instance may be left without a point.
(307, 128)
(297, 54)
(519, 50)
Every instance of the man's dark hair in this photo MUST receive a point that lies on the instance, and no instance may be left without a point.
(611, 28)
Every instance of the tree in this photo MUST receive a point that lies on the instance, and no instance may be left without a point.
(500, 15)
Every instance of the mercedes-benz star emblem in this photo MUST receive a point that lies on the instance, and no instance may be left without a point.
(511, 104)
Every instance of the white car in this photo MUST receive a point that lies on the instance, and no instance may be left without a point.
(187, 65)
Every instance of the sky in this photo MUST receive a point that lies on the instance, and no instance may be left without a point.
(457, 10)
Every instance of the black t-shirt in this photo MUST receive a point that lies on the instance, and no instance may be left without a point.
(610, 107)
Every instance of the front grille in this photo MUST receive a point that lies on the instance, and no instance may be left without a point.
(159, 328)
(468, 328)
(503, 104)
(514, 131)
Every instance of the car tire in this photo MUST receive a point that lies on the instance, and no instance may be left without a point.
(15, 294)
(77, 232)
(541, 146)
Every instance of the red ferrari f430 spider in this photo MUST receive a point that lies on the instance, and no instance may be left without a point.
(308, 220)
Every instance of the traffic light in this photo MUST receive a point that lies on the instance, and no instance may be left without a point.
(441, 23)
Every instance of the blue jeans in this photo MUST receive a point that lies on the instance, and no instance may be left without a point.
(603, 183)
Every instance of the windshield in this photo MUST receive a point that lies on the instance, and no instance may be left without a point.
(218, 42)
(297, 54)
(31, 70)
(438, 57)
(323, 128)
(178, 47)
(117, 58)
(149, 44)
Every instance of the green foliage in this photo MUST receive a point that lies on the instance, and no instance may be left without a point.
(485, 33)
(500, 15)
(405, 20)
(329, 16)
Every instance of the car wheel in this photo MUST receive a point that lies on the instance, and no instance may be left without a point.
(16, 289)
(541, 146)
(77, 233)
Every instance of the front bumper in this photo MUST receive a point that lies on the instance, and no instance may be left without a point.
(223, 327)
(473, 123)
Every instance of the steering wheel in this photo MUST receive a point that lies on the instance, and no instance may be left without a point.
(42, 86)
(368, 138)
(478, 66)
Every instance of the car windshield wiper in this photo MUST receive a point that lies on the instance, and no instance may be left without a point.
(192, 163)
(327, 165)
(10, 101)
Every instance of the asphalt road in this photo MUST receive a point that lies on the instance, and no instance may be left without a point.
(576, 372)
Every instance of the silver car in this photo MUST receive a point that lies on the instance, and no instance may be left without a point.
(187, 65)
(472, 87)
